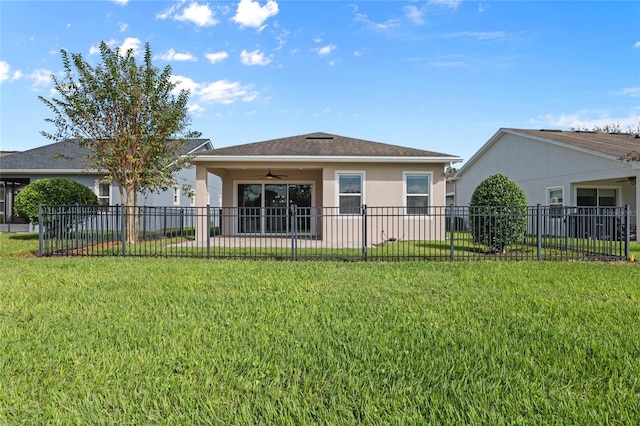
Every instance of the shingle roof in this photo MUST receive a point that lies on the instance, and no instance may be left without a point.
(65, 155)
(615, 144)
(321, 145)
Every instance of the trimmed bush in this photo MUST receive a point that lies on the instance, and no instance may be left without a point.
(51, 192)
(498, 213)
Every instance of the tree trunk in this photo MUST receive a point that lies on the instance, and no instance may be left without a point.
(130, 217)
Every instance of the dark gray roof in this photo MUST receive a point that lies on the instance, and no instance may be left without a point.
(616, 144)
(321, 145)
(65, 155)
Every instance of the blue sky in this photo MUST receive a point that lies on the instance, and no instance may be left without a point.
(439, 75)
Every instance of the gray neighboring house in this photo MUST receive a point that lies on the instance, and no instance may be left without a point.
(559, 168)
(68, 159)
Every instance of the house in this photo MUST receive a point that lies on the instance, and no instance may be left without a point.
(320, 171)
(68, 159)
(559, 168)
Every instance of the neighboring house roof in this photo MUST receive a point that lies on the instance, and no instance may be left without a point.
(613, 146)
(67, 157)
(320, 147)
(5, 153)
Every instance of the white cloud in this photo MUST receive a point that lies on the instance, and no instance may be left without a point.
(121, 2)
(589, 120)
(216, 57)
(453, 4)
(324, 51)
(40, 78)
(378, 26)
(414, 14)
(251, 14)
(4, 71)
(637, 44)
(634, 92)
(172, 55)
(184, 83)
(123, 27)
(130, 43)
(226, 92)
(254, 58)
(357, 53)
(478, 35)
(221, 92)
(95, 49)
(199, 14)
(317, 39)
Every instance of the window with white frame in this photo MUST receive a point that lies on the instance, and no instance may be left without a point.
(102, 190)
(556, 201)
(417, 188)
(192, 199)
(350, 192)
(176, 195)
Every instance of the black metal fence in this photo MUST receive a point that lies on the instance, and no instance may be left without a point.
(366, 233)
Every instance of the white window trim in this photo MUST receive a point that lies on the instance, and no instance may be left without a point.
(555, 188)
(429, 194)
(363, 200)
(96, 189)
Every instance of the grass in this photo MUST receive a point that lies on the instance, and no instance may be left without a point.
(182, 341)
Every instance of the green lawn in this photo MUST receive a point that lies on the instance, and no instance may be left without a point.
(188, 341)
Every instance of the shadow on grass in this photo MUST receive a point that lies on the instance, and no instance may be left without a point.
(24, 237)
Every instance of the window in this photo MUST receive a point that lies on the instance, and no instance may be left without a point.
(176, 195)
(192, 199)
(102, 190)
(597, 197)
(556, 201)
(350, 194)
(417, 189)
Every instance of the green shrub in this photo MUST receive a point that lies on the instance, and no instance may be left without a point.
(51, 192)
(498, 213)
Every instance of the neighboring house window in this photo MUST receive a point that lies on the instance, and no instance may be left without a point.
(350, 192)
(176, 195)
(417, 187)
(192, 199)
(556, 201)
(103, 191)
(597, 197)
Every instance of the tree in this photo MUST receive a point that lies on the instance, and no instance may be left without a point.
(498, 213)
(53, 192)
(129, 118)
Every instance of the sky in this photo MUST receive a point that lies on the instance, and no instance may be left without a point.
(439, 75)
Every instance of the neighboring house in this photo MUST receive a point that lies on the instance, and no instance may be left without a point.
(68, 159)
(559, 168)
(321, 170)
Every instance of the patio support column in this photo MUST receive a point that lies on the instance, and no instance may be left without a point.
(636, 208)
(202, 187)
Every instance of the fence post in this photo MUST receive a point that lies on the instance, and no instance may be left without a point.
(539, 230)
(40, 232)
(77, 210)
(123, 230)
(208, 231)
(627, 233)
(364, 232)
(452, 224)
(294, 232)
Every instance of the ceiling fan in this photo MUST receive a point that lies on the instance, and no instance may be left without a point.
(630, 179)
(270, 175)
